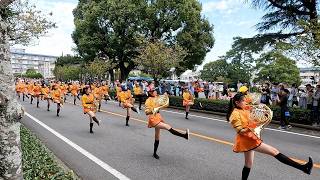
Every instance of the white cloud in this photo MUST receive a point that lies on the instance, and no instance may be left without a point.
(58, 40)
(226, 6)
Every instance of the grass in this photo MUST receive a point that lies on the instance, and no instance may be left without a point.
(38, 162)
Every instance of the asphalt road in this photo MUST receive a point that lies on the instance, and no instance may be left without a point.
(115, 151)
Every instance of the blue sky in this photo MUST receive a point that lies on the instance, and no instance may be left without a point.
(230, 18)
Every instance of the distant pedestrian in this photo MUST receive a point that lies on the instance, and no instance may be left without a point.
(265, 94)
(315, 107)
(284, 110)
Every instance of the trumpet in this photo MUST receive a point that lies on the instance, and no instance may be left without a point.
(162, 101)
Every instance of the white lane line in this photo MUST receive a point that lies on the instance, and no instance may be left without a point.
(224, 121)
(96, 160)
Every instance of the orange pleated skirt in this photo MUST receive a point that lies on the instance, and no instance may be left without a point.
(154, 120)
(186, 102)
(246, 142)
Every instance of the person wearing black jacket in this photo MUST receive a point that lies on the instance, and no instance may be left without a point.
(284, 110)
(265, 95)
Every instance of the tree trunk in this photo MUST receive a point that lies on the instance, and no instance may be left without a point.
(111, 73)
(10, 113)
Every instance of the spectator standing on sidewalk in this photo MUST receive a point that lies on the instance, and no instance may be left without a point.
(206, 89)
(265, 94)
(315, 107)
(294, 95)
(284, 110)
(302, 99)
(274, 93)
(309, 96)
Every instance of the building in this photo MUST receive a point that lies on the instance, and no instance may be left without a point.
(310, 75)
(22, 61)
(190, 75)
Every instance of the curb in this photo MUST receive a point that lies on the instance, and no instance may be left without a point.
(224, 114)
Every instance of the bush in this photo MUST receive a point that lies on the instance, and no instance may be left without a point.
(300, 116)
(37, 161)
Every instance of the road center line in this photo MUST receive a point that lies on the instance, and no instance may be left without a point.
(96, 160)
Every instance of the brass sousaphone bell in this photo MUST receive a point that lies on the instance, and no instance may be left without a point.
(162, 101)
(260, 116)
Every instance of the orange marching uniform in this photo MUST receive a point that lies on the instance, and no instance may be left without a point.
(118, 90)
(36, 90)
(88, 103)
(56, 96)
(74, 88)
(126, 98)
(153, 120)
(187, 98)
(64, 89)
(105, 90)
(45, 91)
(30, 88)
(247, 141)
(97, 92)
(20, 87)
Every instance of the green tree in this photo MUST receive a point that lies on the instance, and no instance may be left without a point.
(157, 59)
(26, 22)
(98, 68)
(118, 29)
(31, 73)
(213, 70)
(294, 23)
(68, 60)
(67, 72)
(275, 67)
(288, 18)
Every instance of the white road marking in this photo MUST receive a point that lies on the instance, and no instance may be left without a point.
(224, 121)
(96, 160)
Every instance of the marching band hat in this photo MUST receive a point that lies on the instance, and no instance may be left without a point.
(243, 89)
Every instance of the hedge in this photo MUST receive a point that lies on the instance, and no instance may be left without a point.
(37, 161)
(300, 116)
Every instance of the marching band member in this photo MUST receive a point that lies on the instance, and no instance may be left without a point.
(20, 88)
(30, 91)
(247, 142)
(127, 102)
(36, 92)
(137, 90)
(105, 91)
(89, 106)
(74, 89)
(25, 90)
(57, 97)
(82, 86)
(97, 92)
(64, 90)
(156, 121)
(247, 98)
(188, 100)
(118, 91)
(45, 91)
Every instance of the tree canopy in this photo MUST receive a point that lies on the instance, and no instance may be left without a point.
(294, 23)
(118, 29)
(278, 68)
(26, 23)
(157, 59)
